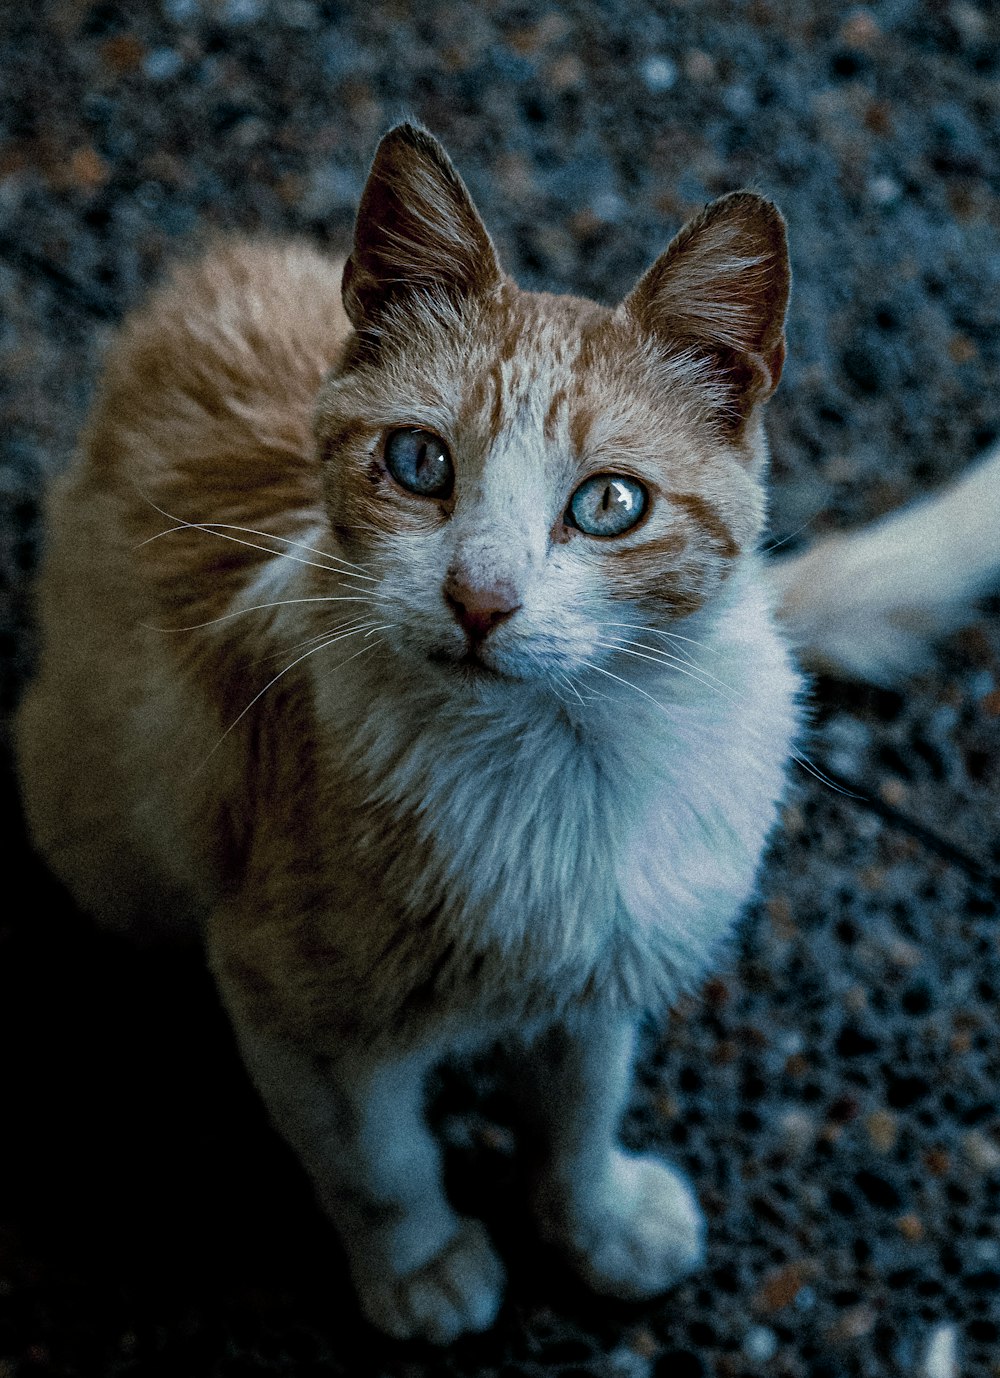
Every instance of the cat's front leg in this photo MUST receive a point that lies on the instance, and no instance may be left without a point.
(629, 1224)
(420, 1270)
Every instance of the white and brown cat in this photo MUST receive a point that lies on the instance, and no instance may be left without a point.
(405, 633)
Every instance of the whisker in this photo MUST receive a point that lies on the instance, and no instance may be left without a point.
(337, 632)
(627, 683)
(271, 682)
(814, 770)
(348, 565)
(565, 679)
(347, 568)
(259, 695)
(662, 658)
(677, 661)
(252, 531)
(210, 530)
(370, 647)
(561, 697)
(776, 545)
(798, 756)
(671, 636)
(257, 607)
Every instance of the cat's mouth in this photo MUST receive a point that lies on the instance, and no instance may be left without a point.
(470, 666)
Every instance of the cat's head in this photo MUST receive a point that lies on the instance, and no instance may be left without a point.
(537, 481)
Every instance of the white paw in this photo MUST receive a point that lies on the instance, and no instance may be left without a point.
(457, 1290)
(639, 1234)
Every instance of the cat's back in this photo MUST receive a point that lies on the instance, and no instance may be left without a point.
(204, 416)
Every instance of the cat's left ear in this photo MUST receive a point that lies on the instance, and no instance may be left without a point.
(720, 291)
(417, 232)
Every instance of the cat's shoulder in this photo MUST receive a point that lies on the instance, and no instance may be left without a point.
(243, 327)
(205, 410)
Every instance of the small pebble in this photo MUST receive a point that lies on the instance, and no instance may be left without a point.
(566, 73)
(937, 1162)
(608, 207)
(805, 1298)
(855, 1322)
(241, 11)
(643, 1341)
(329, 187)
(884, 191)
(149, 196)
(860, 29)
(659, 73)
(941, 1359)
(760, 1344)
(739, 101)
(781, 1287)
(699, 66)
(87, 169)
(970, 21)
(625, 1362)
(911, 1227)
(162, 63)
(982, 1152)
(299, 14)
(945, 718)
(497, 1137)
(882, 1129)
(981, 683)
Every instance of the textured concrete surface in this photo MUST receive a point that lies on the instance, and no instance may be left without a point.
(834, 1089)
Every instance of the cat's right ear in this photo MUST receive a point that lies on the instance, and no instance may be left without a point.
(417, 232)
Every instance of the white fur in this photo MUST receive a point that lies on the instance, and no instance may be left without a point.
(618, 836)
(606, 842)
(570, 829)
(868, 603)
(592, 817)
(604, 809)
(359, 1130)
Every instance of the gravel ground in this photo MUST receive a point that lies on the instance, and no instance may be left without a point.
(833, 1091)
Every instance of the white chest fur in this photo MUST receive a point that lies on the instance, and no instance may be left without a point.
(623, 831)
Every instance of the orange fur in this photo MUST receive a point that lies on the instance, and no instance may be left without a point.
(237, 514)
(206, 416)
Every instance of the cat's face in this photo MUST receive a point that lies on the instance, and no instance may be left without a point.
(541, 484)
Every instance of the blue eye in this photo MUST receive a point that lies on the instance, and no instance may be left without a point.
(419, 461)
(607, 505)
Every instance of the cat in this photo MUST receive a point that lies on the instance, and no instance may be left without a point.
(405, 636)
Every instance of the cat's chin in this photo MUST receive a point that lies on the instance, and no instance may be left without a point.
(471, 669)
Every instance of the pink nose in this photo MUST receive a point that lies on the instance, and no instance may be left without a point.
(478, 610)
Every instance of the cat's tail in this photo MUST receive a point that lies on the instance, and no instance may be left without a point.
(868, 603)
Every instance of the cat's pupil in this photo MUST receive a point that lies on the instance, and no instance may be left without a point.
(419, 461)
(431, 462)
(607, 505)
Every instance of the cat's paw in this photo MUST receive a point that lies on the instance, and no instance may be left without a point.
(638, 1235)
(457, 1290)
